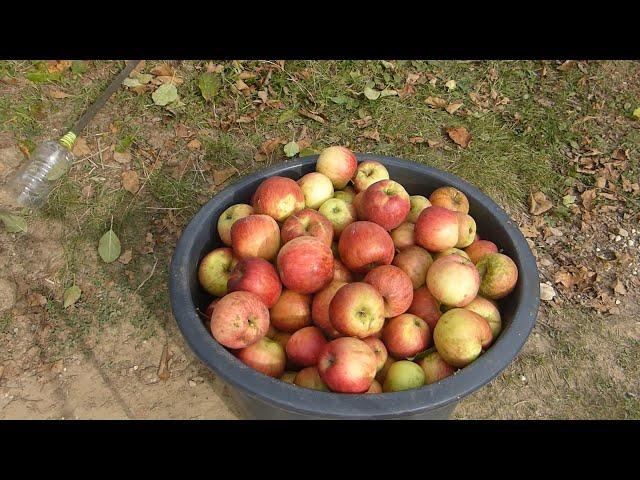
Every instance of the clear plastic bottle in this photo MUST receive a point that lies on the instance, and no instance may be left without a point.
(31, 185)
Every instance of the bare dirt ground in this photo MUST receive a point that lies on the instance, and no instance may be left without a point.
(117, 353)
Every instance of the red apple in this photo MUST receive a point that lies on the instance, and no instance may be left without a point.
(347, 365)
(386, 203)
(437, 229)
(316, 188)
(258, 276)
(229, 217)
(435, 368)
(418, 203)
(425, 306)
(466, 230)
(368, 173)
(357, 310)
(359, 206)
(460, 336)
(307, 223)
(379, 349)
(450, 198)
(487, 309)
(394, 285)
(239, 319)
(255, 236)
(479, 249)
(453, 280)
(291, 312)
(498, 275)
(265, 356)
(337, 163)
(278, 197)
(406, 335)
(214, 271)
(403, 236)
(305, 264)
(451, 251)
(365, 245)
(340, 272)
(339, 213)
(415, 262)
(375, 387)
(320, 308)
(310, 378)
(304, 346)
(382, 374)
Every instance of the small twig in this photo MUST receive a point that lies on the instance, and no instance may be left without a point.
(150, 275)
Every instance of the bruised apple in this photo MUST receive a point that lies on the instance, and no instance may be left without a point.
(453, 280)
(450, 198)
(258, 276)
(498, 275)
(479, 249)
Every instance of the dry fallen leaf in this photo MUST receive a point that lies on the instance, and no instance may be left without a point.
(311, 115)
(194, 144)
(221, 176)
(529, 231)
(182, 131)
(565, 278)
(130, 181)
(56, 66)
(539, 203)
(125, 258)
(80, 148)
(436, 102)
(619, 288)
(568, 65)
(162, 70)
(123, 158)
(459, 135)
(58, 94)
(453, 107)
(163, 368)
(269, 146)
(416, 140)
(240, 85)
(434, 143)
(588, 197)
(371, 134)
(87, 191)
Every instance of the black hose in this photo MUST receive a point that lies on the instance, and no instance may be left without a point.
(99, 103)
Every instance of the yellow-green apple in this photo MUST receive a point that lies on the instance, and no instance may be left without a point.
(358, 205)
(450, 198)
(347, 194)
(479, 249)
(291, 312)
(258, 276)
(255, 236)
(304, 346)
(357, 310)
(425, 306)
(498, 275)
(340, 272)
(215, 269)
(451, 251)
(436, 229)
(379, 349)
(453, 280)
(466, 230)
(415, 262)
(403, 375)
(347, 365)
(337, 163)
(278, 197)
(394, 285)
(265, 356)
(406, 335)
(403, 236)
(339, 213)
(310, 378)
(320, 308)
(460, 336)
(418, 203)
(375, 387)
(368, 173)
(305, 264)
(288, 377)
(239, 319)
(386, 203)
(382, 374)
(316, 188)
(435, 368)
(487, 309)
(365, 245)
(307, 222)
(229, 217)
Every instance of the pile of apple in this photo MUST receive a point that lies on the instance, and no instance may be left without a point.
(354, 289)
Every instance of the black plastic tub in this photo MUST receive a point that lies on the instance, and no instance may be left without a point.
(262, 397)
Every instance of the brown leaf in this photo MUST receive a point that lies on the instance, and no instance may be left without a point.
(453, 107)
(172, 79)
(363, 122)
(407, 90)
(539, 203)
(263, 95)
(459, 135)
(566, 66)
(194, 144)
(565, 278)
(311, 115)
(211, 68)
(436, 102)
(162, 70)
(130, 181)
(371, 134)
(259, 157)
(529, 231)
(245, 75)
(412, 78)
(36, 300)
(123, 158)
(240, 85)
(56, 66)
(416, 140)
(221, 176)
(125, 258)
(80, 148)
(588, 197)
(434, 143)
(269, 146)
(58, 94)
(182, 131)
(619, 288)
(163, 368)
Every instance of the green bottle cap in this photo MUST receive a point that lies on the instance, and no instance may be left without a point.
(68, 140)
